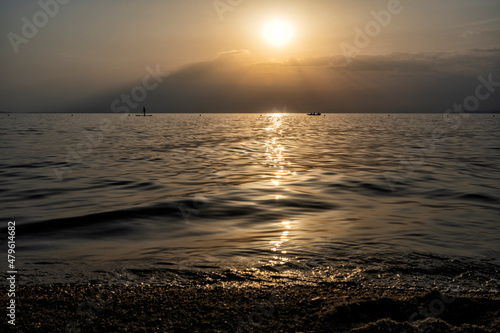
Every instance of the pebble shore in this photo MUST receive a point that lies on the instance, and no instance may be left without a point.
(328, 308)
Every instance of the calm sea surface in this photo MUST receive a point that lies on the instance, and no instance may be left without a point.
(401, 201)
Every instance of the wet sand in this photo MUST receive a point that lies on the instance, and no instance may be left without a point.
(325, 308)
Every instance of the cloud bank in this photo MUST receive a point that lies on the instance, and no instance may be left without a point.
(233, 81)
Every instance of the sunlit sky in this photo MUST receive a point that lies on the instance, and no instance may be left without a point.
(425, 57)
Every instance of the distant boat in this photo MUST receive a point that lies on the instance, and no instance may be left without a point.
(314, 114)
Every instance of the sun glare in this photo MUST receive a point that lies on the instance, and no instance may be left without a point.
(278, 32)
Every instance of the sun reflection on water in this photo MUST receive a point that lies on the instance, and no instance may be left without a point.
(275, 159)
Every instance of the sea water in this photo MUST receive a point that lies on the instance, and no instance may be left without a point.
(400, 200)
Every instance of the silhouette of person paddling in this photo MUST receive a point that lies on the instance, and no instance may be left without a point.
(144, 111)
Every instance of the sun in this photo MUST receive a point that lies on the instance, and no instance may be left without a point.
(278, 32)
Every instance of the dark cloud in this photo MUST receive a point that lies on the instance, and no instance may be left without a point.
(491, 49)
(453, 62)
(395, 82)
